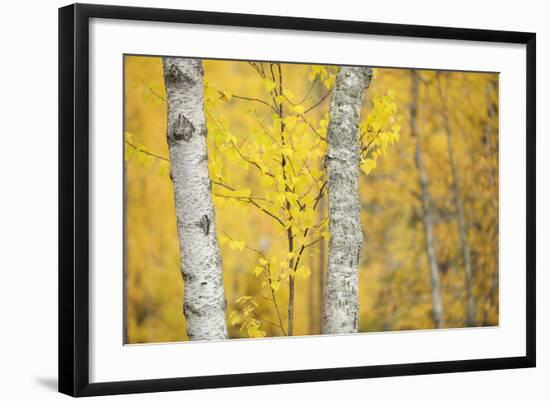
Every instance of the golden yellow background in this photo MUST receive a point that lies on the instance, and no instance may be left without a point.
(394, 277)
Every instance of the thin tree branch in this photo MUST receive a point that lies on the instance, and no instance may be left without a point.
(304, 98)
(154, 92)
(247, 198)
(267, 273)
(312, 128)
(146, 151)
(319, 102)
(252, 99)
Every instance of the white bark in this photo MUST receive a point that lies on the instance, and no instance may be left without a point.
(201, 266)
(342, 164)
(427, 217)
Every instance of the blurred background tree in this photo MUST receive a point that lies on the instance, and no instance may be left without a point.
(255, 123)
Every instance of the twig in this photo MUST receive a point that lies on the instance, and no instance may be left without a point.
(154, 92)
(319, 102)
(312, 128)
(252, 99)
(146, 151)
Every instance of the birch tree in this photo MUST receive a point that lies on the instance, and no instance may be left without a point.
(427, 217)
(460, 216)
(201, 266)
(342, 165)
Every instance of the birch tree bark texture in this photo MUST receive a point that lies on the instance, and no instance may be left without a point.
(342, 165)
(201, 265)
(427, 216)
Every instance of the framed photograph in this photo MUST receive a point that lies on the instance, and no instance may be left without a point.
(250, 199)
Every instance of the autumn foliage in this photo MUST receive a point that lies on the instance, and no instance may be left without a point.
(267, 126)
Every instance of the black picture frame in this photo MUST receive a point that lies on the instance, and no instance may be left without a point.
(74, 194)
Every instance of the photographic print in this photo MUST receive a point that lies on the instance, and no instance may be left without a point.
(273, 199)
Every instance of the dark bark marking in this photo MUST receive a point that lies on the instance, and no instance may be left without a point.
(204, 223)
(183, 129)
(176, 75)
(187, 276)
(188, 308)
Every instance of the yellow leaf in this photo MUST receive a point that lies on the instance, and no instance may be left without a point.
(329, 81)
(290, 122)
(303, 271)
(287, 151)
(281, 199)
(236, 245)
(164, 169)
(263, 261)
(244, 298)
(258, 270)
(276, 285)
(288, 94)
(298, 109)
(129, 151)
(255, 332)
(223, 239)
(368, 165)
(234, 318)
(269, 85)
(227, 95)
(266, 181)
(244, 192)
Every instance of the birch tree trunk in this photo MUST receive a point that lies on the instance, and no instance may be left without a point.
(461, 219)
(342, 164)
(201, 266)
(427, 217)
